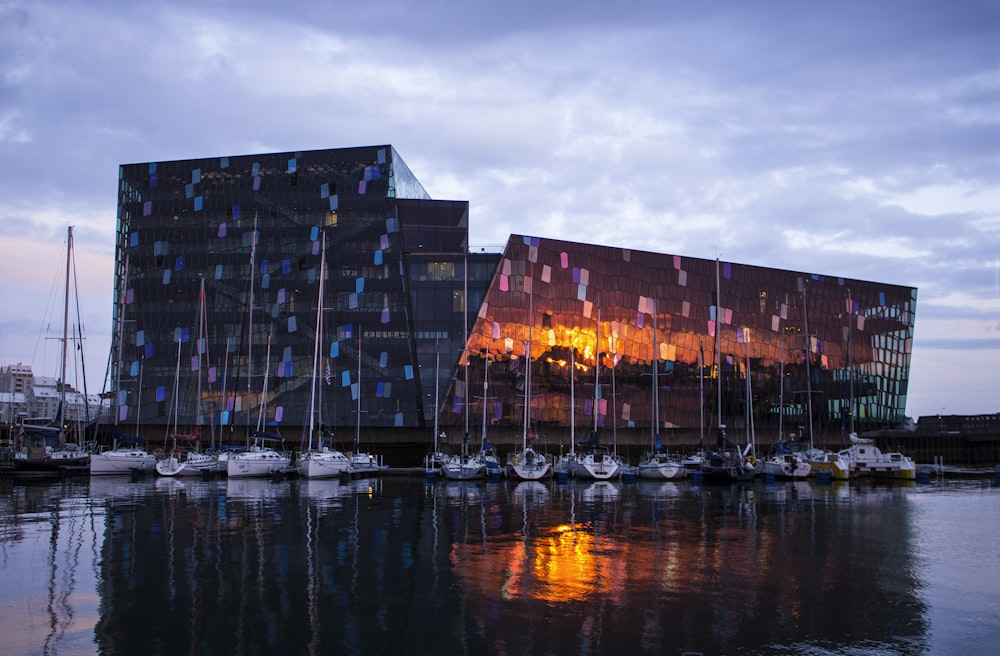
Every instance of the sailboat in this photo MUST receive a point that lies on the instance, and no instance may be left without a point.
(319, 461)
(565, 463)
(823, 462)
(467, 466)
(597, 462)
(436, 459)
(260, 458)
(728, 462)
(126, 454)
(43, 448)
(656, 464)
(362, 463)
(265, 454)
(526, 464)
(783, 461)
(170, 464)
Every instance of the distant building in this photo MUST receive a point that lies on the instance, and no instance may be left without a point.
(39, 398)
(405, 298)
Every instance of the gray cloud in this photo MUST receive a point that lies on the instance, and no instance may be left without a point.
(853, 139)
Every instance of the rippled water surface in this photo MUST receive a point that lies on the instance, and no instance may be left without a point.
(401, 566)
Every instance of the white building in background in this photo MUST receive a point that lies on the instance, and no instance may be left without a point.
(26, 396)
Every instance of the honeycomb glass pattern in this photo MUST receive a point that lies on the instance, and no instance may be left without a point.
(749, 347)
(217, 296)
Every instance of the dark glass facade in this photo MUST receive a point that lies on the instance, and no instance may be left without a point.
(404, 296)
(790, 344)
(251, 229)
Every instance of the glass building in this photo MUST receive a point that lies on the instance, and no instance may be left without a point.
(218, 307)
(222, 321)
(748, 347)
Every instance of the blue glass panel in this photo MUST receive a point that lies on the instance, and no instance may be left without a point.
(408, 372)
(293, 325)
(345, 378)
(334, 349)
(160, 394)
(359, 285)
(179, 263)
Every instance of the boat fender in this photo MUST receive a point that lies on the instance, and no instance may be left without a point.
(516, 460)
(752, 460)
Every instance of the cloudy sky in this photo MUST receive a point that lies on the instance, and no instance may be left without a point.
(858, 139)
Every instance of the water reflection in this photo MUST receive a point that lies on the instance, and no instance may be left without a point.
(176, 566)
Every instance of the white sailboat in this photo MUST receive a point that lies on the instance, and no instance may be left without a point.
(126, 454)
(784, 462)
(170, 464)
(597, 462)
(566, 462)
(822, 462)
(260, 458)
(526, 464)
(656, 464)
(435, 461)
(319, 460)
(265, 454)
(362, 464)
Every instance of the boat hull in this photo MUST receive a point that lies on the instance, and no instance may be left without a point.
(328, 464)
(467, 470)
(121, 462)
(256, 464)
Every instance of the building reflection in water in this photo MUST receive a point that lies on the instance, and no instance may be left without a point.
(394, 566)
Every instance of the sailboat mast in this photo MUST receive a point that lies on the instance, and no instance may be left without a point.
(527, 356)
(316, 341)
(809, 400)
(701, 395)
(253, 273)
(655, 424)
(177, 387)
(357, 424)
(572, 399)
(850, 361)
(486, 387)
(465, 350)
(121, 338)
(718, 350)
(597, 369)
(263, 398)
(62, 374)
(437, 372)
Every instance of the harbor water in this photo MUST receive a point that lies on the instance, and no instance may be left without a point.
(401, 565)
